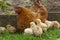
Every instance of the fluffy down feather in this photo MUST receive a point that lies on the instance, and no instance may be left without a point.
(28, 31)
(2, 29)
(55, 24)
(42, 25)
(52, 24)
(10, 28)
(48, 23)
(37, 31)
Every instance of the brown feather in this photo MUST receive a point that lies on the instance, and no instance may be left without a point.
(25, 16)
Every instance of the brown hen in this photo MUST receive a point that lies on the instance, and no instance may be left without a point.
(25, 16)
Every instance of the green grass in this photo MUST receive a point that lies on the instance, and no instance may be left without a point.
(49, 35)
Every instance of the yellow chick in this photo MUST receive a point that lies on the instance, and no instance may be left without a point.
(28, 31)
(42, 25)
(55, 24)
(48, 23)
(10, 28)
(37, 31)
(2, 29)
(52, 24)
